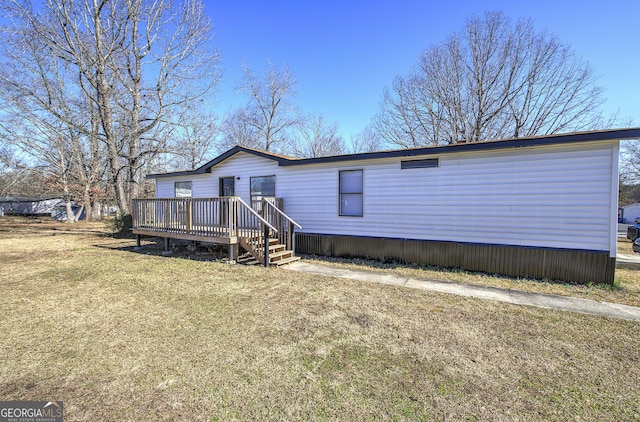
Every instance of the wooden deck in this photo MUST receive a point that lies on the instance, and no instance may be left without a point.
(183, 235)
(224, 220)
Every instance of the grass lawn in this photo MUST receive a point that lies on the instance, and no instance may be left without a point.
(123, 335)
(626, 288)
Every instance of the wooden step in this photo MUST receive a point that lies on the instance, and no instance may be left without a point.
(272, 248)
(285, 261)
(259, 242)
(247, 259)
(280, 258)
(278, 253)
(277, 256)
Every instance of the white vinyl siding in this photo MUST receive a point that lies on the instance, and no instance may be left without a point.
(241, 166)
(165, 186)
(556, 196)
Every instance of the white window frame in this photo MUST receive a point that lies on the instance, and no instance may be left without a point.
(341, 194)
(185, 183)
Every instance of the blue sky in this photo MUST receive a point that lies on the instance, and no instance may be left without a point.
(343, 53)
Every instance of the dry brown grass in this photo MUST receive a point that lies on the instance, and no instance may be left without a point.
(624, 246)
(120, 335)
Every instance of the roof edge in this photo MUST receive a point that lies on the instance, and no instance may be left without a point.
(171, 174)
(206, 168)
(555, 139)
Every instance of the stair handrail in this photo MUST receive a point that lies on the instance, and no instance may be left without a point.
(266, 226)
(252, 211)
(264, 201)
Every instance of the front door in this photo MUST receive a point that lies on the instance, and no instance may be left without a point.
(227, 188)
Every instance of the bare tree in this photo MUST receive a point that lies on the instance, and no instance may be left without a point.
(51, 146)
(629, 192)
(316, 138)
(240, 128)
(12, 172)
(192, 139)
(22, 181)
(46, 116)
(366, 141)
(270, 113)
(494, 79)
(135, 64)
(630, 162)
(169, 46)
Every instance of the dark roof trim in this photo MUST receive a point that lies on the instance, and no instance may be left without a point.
(605, 135)
(172, 174)
(568, 138)
(264, 154)
(206, 168)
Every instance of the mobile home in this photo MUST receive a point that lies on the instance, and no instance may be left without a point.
(505, 207)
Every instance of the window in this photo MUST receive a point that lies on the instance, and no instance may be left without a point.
(351, 187)
(262, 187)
(419, 164)
(183, 189)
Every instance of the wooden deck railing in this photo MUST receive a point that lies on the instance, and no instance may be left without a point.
(212, 217)
(228, 218)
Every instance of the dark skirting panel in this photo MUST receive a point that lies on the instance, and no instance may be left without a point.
(575, 266)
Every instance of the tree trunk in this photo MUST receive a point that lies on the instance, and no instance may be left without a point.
(86, 199)
(104, 96)
(71, 218)
(96, 210)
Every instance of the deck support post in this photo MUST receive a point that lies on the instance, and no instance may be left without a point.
(266, 246)
(138, 237)
(291, 237)
(233, 252)
(167, 246)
